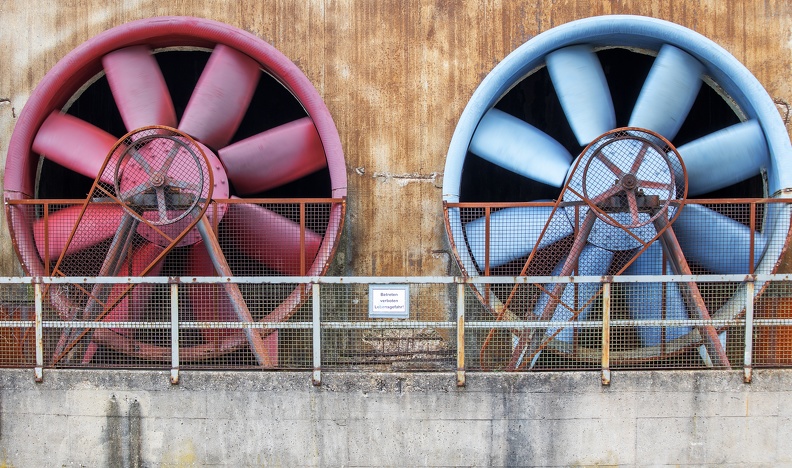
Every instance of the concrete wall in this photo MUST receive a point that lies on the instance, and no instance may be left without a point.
(395, 76)
(124, 418)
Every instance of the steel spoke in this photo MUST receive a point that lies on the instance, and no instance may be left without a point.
(639, 158)
(633, 206)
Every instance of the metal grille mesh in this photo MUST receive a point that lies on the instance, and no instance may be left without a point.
(772, 335)
(354, 341)
(649, 321)
(257, 238)
(17, 335)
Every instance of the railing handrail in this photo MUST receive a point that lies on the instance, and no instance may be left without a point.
(318, 322)
(731, 278)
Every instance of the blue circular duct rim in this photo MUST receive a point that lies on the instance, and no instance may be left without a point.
(625, 31)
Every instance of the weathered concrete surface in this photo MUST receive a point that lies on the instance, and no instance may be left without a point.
(126, 418)
(395, 76)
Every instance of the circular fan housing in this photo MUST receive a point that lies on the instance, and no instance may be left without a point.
(261, 124)
(526, 127)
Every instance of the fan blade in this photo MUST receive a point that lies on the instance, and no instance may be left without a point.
(74, 144)
(133, 304)
(270, 238)
(221, 97)
(717, 242)
(99, 223)
(138, 87)
(274, 157)
(644, 299)
(210, 303)
(521, 148)
(668, 92)
(583, 91)
(593, 261)
(514, 232)
(725, 157)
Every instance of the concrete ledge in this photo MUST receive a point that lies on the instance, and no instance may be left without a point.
(137, 418)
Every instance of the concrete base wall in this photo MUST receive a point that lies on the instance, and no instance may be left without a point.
(128, 418)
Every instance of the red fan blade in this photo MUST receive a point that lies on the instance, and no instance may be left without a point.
(99, 223)
(139, 88)
(211, 304)
(74, 144)
(275, 157)
(132, 305)
(221, 97)
(270, 238)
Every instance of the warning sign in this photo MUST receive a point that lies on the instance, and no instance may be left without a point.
(389, 301)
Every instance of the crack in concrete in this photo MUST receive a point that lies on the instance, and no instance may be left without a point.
(410, 177)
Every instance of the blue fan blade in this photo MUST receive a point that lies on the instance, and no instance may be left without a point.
(716, 242)
(583, 91)
(725, 157)
(644, 299)
(668, 92)
(514, 232)
(519, 147)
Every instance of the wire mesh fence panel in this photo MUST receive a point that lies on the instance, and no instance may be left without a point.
(106, 325)
(772, 331)
(244, 326)
(545, 323)
(705, 237)
(17, 333)
(655, 345)
(498, 333)
(352, 339)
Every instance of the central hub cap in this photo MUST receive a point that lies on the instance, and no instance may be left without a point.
(629, 182)
(157, 180)
(628, 178)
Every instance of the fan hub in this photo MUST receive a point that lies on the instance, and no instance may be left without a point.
(157, 180)
(161, 176)
(629, 177)
(629, 182)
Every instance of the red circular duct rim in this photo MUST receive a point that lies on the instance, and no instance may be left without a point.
(84, 62)
(71, 72)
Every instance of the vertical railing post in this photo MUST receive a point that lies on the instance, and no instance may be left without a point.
(174, 315)
(606, 310)
(302, 238)
(317, 334)
(487, 247)
(749, 319)
(460, 324)
(39, 306)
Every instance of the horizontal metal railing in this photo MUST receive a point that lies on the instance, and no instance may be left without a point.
(444, 329)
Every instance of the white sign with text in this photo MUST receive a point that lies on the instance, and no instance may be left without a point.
(389, 301)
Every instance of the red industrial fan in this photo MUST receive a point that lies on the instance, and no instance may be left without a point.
(203, 151)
